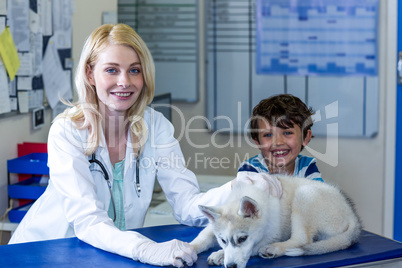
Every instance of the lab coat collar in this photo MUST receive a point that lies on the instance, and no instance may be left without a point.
(129, 154)
(104, 154)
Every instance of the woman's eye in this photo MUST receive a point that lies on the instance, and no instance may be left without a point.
(111, 70)
(135, 71)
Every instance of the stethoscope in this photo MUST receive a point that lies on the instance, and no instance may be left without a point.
(106, 176)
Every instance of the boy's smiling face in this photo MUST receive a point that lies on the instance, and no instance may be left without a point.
(280, 147)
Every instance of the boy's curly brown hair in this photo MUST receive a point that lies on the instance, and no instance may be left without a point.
(282, 111)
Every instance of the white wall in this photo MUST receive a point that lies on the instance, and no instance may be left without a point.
(365, 166)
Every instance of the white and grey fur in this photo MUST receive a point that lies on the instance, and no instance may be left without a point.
(310, 218)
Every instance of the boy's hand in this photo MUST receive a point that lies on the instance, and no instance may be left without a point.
(270, 184)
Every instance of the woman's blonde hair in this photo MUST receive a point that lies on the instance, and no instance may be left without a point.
(86, 114)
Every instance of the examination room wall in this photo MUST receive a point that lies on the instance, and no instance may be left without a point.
(365, 168)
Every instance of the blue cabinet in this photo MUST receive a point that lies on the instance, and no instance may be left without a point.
(34, 164)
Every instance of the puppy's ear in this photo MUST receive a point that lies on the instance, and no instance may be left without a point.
(212, 213)
(248, 208)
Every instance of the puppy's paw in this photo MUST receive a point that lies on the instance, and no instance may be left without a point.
(271, 251)
(265, 253)
(294, 252)
(216, 258)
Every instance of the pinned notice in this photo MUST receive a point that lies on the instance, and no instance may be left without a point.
(8, 53)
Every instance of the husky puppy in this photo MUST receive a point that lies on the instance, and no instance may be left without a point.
(310, 217)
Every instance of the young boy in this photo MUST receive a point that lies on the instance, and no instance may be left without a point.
(281, 127)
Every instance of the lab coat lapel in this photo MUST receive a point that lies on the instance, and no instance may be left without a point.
(129, 165)
(104, 156)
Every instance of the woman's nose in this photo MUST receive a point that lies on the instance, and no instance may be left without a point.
(123, 80)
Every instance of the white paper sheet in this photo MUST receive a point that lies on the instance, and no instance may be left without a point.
(26, 67)
(18, 20)
(3, 7)
(2, 23)
(35, 98)
(34, 22)
(36, 50)
(24, 83)
(4, 94)
(45, 14)
(62, 24)
(13, 103)
(23, 101)
(64, 9)
(55, 79)
(62, 39)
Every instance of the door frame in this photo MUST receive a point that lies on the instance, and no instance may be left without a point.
(393, 117)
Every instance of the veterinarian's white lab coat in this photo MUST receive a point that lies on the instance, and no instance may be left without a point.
(76, 200)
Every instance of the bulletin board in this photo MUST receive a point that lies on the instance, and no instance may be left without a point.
(170, 30)
(346, 105)
(331, 37)
(41, 36)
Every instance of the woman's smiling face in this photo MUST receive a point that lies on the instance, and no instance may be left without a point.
(117, 77)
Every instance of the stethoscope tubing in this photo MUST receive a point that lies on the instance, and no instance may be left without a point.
(106, 176)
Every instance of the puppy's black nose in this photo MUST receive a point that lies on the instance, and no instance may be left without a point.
(231, 265)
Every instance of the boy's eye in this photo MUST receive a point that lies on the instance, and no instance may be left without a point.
(268, 135)
(288, 133)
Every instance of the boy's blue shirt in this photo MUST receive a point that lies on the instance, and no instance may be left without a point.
(304, 166)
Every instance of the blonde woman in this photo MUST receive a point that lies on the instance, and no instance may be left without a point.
(110, 133)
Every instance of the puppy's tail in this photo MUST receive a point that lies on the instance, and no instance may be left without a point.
(334, 243)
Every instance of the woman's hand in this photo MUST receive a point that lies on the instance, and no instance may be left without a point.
(173, 252)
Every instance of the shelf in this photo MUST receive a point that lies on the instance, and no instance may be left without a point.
(35, 163)
(31, 188)
(27, 189)
(16, 214)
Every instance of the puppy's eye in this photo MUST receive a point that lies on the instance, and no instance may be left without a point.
(223, 241)
(242, 239)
